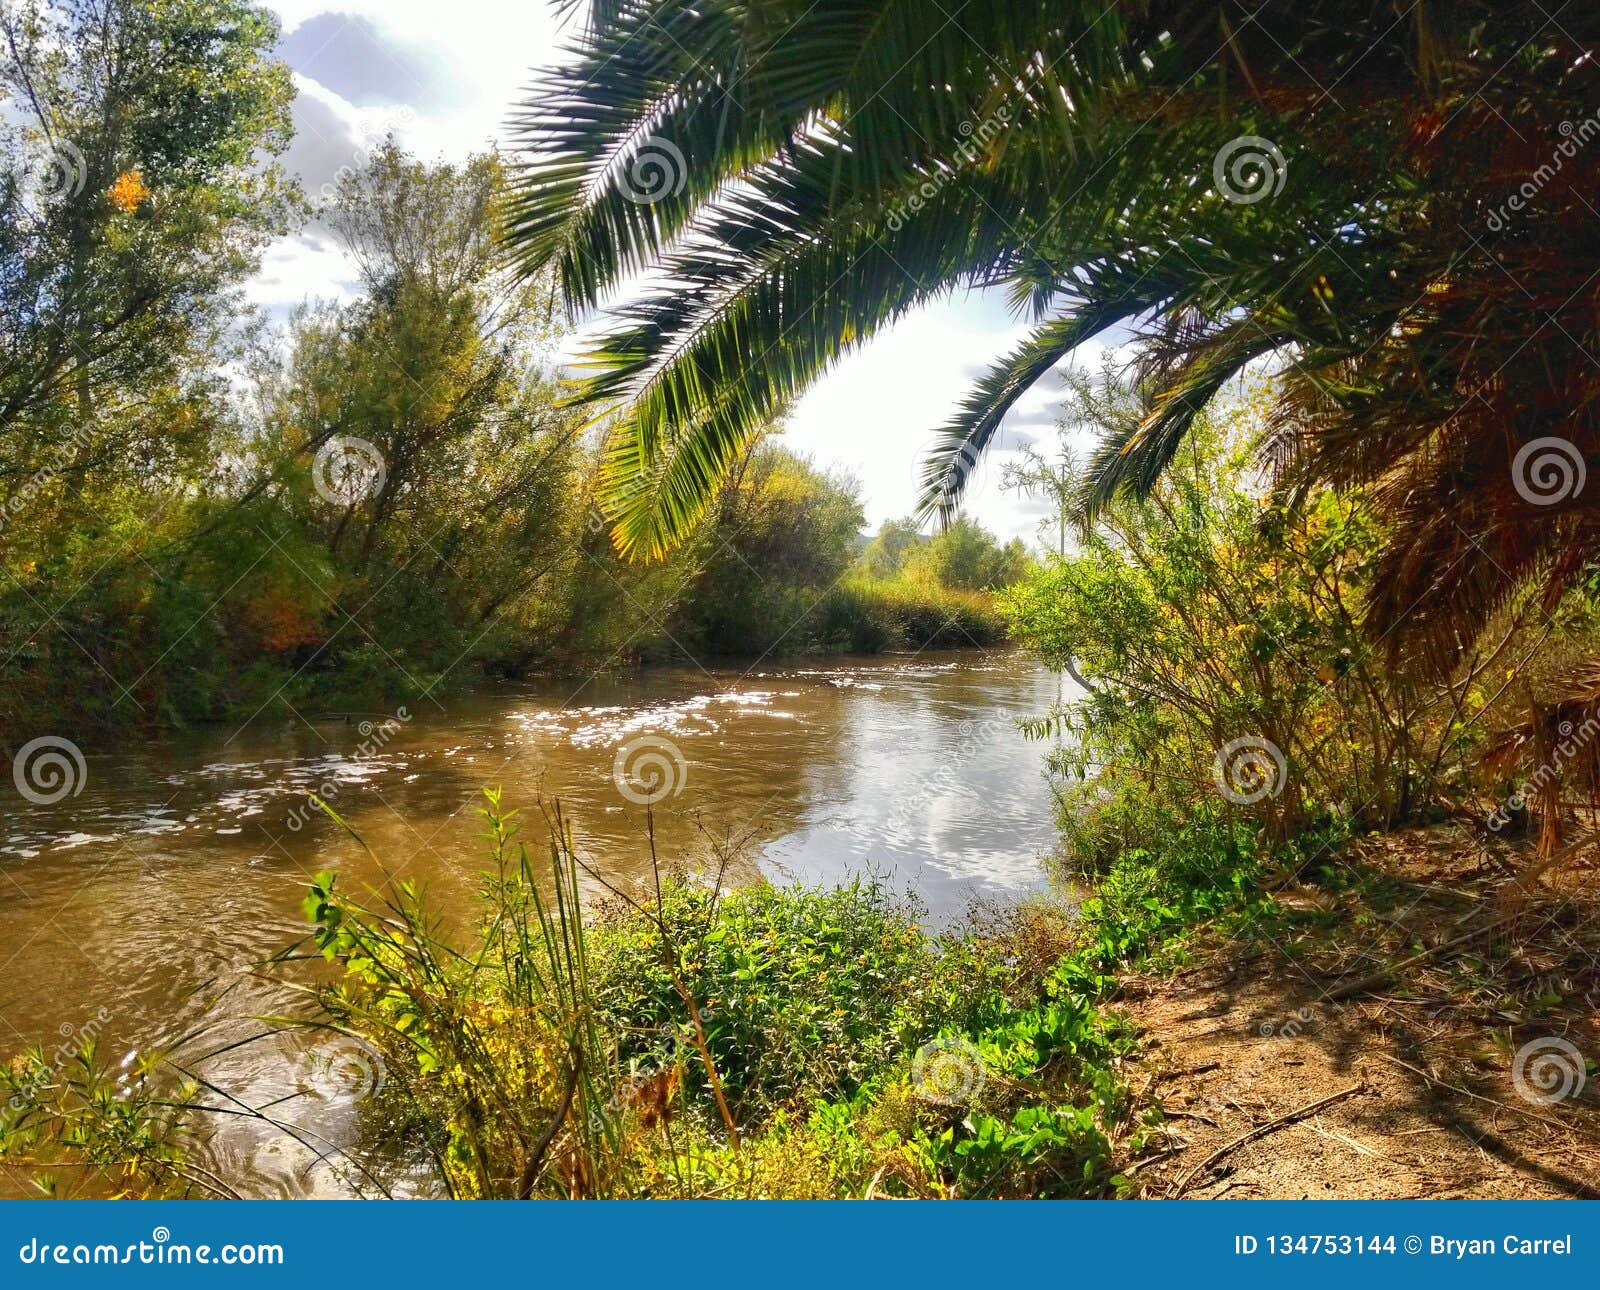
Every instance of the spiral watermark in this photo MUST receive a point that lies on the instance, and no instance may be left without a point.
(655, 172)
(1248, 169)
(648, 769)
(348, 469)
(49, 768)
(347, 1071)
(1289, 1028)
(1548, 471)
(1548, 1070)
(949, 1072)
(646, 1081)
(1249, 769)
(58, 169)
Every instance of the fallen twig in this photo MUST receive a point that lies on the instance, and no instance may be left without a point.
(1155, 1159)
(1369, 983)
(1261, 1130)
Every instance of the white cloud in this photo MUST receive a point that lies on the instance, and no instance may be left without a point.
(301, 268)
(876, 413)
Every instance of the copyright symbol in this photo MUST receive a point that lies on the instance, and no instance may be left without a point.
(1413, 1245)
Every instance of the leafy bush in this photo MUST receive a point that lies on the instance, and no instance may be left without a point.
(805, 992)
(1226, 667)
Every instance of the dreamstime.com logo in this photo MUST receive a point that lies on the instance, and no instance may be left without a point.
(348, 469)
(976, 736)
(958, 473)
(1547, 775)
(159, 1249)
(48, 769)
(1280, 1036)
(44, 1075)
(1548, 471)
(649, 768)
(1573, 137)
(373, 739)
(1548, 1070)
(973, 148)
(1248, 169)
(374, 135)
(62, 455)
(1249, 769)
(949, 1072)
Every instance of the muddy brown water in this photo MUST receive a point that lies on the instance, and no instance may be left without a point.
(126, 909)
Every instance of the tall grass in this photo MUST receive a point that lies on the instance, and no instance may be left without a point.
(873, 614)
(494, 1063)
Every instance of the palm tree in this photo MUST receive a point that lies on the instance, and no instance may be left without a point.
(1339, 186)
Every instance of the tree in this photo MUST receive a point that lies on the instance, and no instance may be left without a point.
(1387, 204)
(885, 555)
(138, 190)
(1215, 634)
(416, 427)
(781, 534)
(966, 556)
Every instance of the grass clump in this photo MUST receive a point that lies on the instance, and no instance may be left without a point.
(778, 1041)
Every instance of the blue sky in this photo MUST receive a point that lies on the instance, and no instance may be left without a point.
(442, 78)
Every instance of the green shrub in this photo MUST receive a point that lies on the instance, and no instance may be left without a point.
(804, 992)
(1228, 673)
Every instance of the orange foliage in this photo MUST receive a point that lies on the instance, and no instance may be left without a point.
(129, 192)
(280, 620)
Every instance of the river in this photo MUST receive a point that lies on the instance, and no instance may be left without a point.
(138, 907)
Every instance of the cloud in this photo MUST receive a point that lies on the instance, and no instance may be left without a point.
(332, 135)
(297, 268)
(1044, 418)
(368, 66)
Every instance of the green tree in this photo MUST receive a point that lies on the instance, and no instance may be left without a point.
(966, 556)
(138, 190)
(463, 489)
(782, 533)
(885, 555)
(1215, 635)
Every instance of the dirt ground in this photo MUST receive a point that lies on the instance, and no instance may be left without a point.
(1433, 1036)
